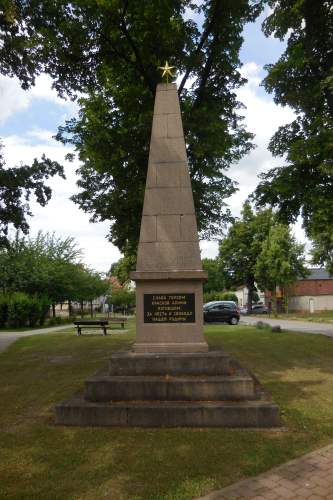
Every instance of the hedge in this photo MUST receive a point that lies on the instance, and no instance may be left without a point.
(20, 309)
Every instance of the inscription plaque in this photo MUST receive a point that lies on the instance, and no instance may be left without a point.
(169, 308)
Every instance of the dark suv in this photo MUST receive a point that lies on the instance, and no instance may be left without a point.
(221, 310)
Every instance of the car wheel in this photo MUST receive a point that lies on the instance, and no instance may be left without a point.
(234, 321)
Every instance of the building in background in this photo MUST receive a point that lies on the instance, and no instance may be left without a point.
(313, 293)
(242, 294)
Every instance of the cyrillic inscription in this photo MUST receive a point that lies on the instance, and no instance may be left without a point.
(169, 308)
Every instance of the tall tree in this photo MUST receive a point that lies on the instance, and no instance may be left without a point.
(240, 248)
(110, 50)
(17, 186)
(216, 280)
(302, 79)
(280, 261)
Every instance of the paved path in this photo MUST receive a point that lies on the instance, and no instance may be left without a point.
(309, 477)
(294, 325)
(7, 338)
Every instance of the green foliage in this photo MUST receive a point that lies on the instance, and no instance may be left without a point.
(48, 266)
(302, 79)
(122, 298)
(212, 295)
(17, 186)
(239, 250)
(108, 50)
(281, 260)
(3, 310)
(215, 281)
(122, 268)
(24, 310)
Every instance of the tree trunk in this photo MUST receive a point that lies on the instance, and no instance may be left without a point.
(91, 309)
(53, 311)
(81, 303)
(69, 308)
(250, 288)
(274, 303)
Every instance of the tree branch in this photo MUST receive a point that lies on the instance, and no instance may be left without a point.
(203, 40)
(140, 64)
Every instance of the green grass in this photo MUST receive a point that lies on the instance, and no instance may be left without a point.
(319, 316)
(42, 461)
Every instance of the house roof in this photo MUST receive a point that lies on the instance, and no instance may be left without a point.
(317, 274)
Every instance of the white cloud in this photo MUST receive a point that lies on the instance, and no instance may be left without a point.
(14, 99)
(262, 117)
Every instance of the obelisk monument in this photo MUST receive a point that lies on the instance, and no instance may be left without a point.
(169, 272)
(169, 379)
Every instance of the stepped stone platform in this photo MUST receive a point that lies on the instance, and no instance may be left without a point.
(171, 390)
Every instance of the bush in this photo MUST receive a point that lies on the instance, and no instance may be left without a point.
(3, 310)
(44, 309)
(210, 296)
(55, 321)
(20, 310)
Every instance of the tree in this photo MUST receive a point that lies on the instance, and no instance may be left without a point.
(302, 79)
(280, 262)
(215, 281)
(122, 268)
(48, 266)
(17, 186)
(239, 250)
(122, 298)
(88, 286)
(108, 50)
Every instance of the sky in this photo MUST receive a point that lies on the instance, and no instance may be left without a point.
(30, 119)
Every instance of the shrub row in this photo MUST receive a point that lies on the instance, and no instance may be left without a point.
(20, 310)
(210, 296)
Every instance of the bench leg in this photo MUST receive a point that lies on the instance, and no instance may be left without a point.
(104, 330)
(78, 331)
(122, 325)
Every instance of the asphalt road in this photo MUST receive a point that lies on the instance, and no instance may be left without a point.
(293, 325)
(7, 338)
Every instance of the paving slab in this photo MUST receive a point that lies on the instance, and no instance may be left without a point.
(310, 476)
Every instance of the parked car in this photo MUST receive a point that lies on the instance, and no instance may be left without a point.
(256, 309)
(259, 309)
(225, 311)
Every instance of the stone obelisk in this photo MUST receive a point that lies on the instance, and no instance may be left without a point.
(169, 272)
(169, 379)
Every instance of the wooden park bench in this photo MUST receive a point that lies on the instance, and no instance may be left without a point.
(103, 324)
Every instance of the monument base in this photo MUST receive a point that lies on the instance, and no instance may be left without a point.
(170, 347)
(171, 390)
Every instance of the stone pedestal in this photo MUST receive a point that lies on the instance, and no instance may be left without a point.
(171, 390)
(169, 273)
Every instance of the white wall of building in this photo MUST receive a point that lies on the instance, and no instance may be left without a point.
(306, 302)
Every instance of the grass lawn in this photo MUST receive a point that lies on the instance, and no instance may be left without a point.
(42, 461)
(319, 316)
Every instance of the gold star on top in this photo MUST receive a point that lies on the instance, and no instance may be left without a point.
(167, 71)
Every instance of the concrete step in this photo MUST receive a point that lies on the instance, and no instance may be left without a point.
(208, 363)
(78, 411)
(166, 388)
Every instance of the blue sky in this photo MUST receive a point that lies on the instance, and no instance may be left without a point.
(29, 119)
